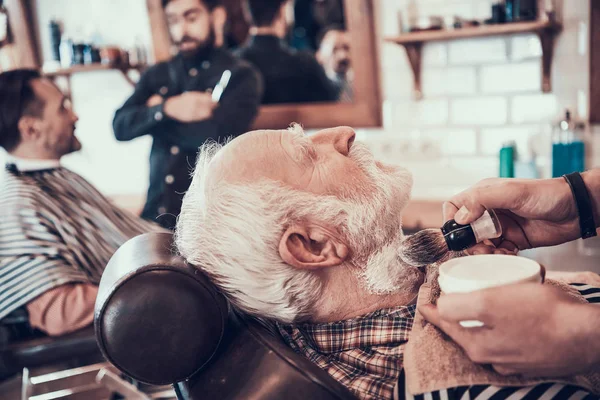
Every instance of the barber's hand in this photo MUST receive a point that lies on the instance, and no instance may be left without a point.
(154, 101)
(530, 329)
(533, 213)
(190, 106)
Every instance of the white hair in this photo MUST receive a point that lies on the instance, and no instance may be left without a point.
(232, 231)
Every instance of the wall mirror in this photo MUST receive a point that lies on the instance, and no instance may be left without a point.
(340, 34)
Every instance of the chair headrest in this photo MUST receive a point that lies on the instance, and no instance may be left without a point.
(157, 318)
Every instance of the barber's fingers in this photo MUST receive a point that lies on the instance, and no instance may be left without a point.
(431, 314)
(508, 245)
(488, 194)
(462, 336)
(504, 369)
(481, 248)
(528, 369)
(448, 210)
(463, 307)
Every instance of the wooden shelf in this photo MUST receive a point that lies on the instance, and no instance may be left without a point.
(479, 31)
(547, 30)
(76, 69)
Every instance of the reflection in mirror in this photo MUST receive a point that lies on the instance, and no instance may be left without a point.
(300, 47)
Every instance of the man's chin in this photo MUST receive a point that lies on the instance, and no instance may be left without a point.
(75, 145)
(188, 52)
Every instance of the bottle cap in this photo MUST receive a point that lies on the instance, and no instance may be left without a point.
(487, 226)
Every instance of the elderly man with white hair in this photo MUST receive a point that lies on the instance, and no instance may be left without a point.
(304, 231)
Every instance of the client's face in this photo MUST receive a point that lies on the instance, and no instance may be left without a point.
(329, 163)
(57, 121)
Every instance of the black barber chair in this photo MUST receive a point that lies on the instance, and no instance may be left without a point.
(161, 321)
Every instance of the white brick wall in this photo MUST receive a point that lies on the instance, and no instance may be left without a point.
(479, 111)
(492, 139)
(510, 78)
(449, 81)
(428, 112)
(525, 47)
(435, 55)
(451, 142)
(477, 51)
(480, 93)
(534, 108)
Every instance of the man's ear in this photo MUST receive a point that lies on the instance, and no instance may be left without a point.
(29, 128)
(219, 17)
(319, 56)
(312, 247)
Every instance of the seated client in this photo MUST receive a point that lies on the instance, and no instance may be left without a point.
(304, 231)
(57, 232)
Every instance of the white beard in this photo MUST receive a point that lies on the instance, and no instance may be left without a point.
(374, 227)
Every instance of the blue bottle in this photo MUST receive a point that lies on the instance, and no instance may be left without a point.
(507, 160)
(561, 157)
(568, 148)
(577, 150)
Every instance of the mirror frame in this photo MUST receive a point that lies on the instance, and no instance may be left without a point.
(594, 49)
(364, 112)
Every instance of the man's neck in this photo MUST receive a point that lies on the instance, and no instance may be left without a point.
(32, 155)
(266, 31)
(31, 164)
(346, 297)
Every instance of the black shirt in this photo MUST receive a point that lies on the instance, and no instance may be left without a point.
(289, 76)
(175, 144)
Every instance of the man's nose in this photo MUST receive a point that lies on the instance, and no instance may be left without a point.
(341, 138)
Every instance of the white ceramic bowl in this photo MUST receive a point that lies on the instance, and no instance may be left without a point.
(467, 274)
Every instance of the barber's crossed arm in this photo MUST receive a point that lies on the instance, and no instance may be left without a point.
(232, 116)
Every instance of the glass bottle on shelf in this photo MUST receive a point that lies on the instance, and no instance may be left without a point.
(568, 146)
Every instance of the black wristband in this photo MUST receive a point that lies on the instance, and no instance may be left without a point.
(587, 225)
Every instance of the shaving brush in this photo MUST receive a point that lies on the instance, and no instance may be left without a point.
(431, 245)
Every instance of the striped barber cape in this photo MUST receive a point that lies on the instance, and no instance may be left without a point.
(55, 228)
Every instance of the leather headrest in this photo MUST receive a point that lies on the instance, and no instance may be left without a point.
(157, 319)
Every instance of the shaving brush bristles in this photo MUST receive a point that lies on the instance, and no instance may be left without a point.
(423, 248)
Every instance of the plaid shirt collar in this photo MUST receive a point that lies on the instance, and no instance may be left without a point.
(383, 327)
(365, 353)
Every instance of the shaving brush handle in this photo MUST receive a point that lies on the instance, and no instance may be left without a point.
(458, 237)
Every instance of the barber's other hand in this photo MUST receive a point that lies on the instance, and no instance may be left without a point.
(190, 106)
(533, 213)
(154, 101)
(530, 329)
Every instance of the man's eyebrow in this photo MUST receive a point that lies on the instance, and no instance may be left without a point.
(191, 11)
(304, 148)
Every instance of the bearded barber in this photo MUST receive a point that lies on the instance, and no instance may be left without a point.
(173, 103)
(531, 329)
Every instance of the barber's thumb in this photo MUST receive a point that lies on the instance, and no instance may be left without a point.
(467, 214)
(431, 314)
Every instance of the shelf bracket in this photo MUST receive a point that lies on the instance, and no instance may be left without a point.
(414, 51)
(125, 73)
(547, 40)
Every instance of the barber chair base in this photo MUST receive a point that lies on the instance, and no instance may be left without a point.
(93, 382)
(62, 384)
